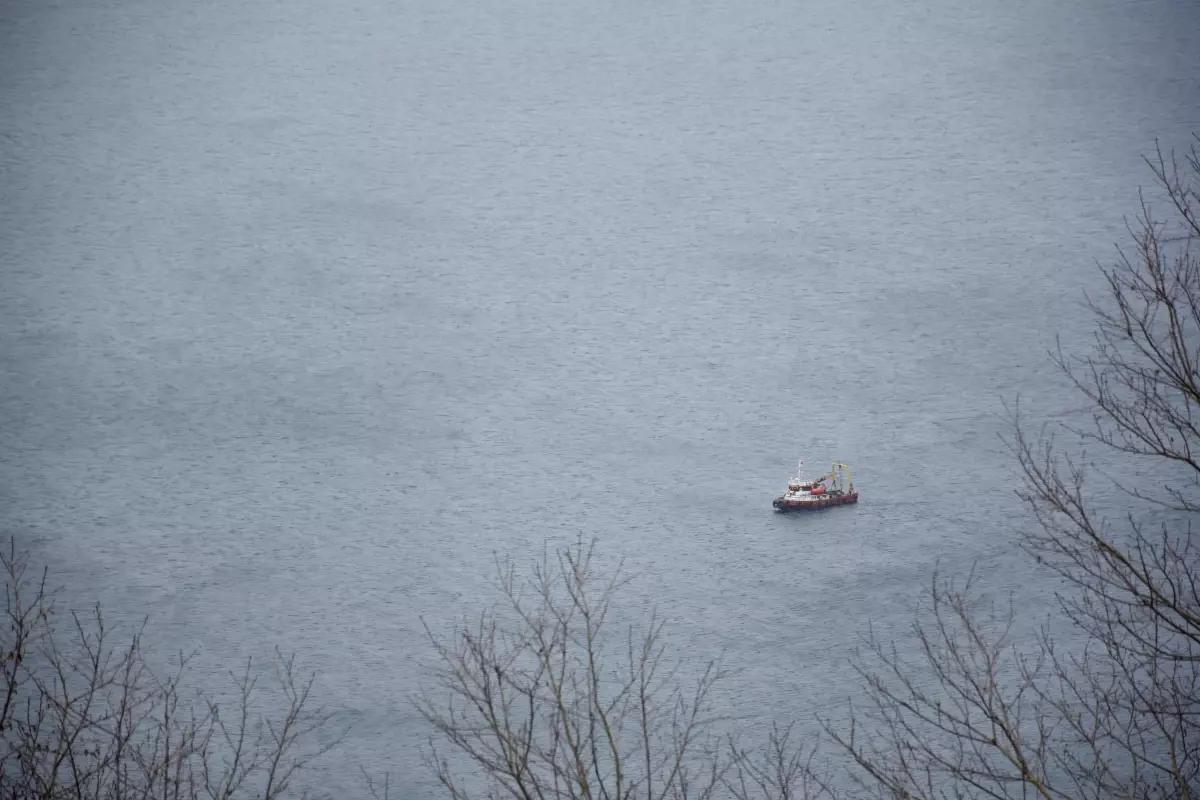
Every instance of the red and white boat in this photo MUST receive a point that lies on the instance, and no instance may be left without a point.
(835, 488)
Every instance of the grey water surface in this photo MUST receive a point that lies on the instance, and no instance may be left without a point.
(309, 307)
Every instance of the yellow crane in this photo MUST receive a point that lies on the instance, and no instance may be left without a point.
(839, 478)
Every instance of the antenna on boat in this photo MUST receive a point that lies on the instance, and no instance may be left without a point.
(800, 471)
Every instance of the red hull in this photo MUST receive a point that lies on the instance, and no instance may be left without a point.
(782, 504)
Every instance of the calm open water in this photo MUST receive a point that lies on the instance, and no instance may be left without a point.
(309, 307)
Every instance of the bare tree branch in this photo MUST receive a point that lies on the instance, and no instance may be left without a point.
(980, 715)
(87, 719)
(541, 701)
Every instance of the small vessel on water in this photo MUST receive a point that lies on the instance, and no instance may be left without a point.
(835, 488)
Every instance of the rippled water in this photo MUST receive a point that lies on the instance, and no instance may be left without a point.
(308, 308)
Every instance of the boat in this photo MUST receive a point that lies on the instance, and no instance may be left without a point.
(835, 488)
